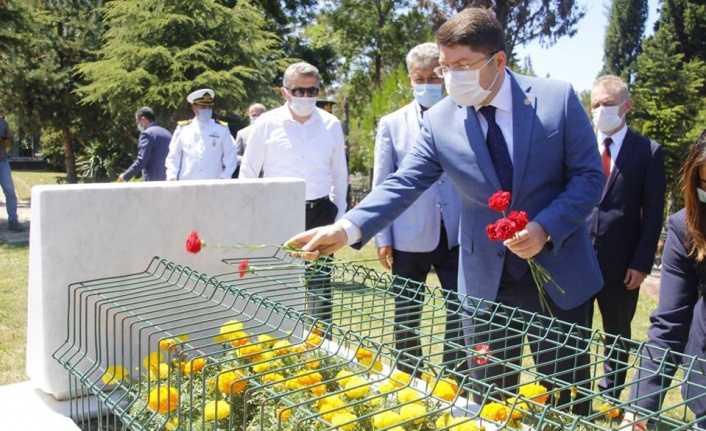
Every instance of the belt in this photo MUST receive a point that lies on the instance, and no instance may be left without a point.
(312, 204)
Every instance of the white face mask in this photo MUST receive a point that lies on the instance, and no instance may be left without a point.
(606, 118)
(701, 194)
(204, 115)
(427, 95)
(302, 106)
(140, 127)
(253, 118)
(464, 86)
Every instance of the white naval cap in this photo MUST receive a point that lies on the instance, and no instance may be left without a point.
(203, 96)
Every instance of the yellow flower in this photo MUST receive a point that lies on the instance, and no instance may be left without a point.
(272, 377)
(193, 366)
(495, 412)
(397, 428)
(216, 410)
(282, 347)
(400, 378)
(386, 419)
(114, 375)
(318, 390)
(231, 382)
(386, 387)
(239, 338)
(574, 392)
(365, 358)
(161, 371)
(284, 414)
(344, 420)
(228, 330)
(266, 340)
(173, 424)
(464, 424)
(313, 341)
(535, 392)
(362, 353)
(445, 390)
(249, 351)
(183, 338)
(444, 420)
(303, 379)
(152, 360)
(356, 387)
(168, 344)
(163, 399)
(312, 365)
(609, 412)
(407, 395)
(413, 411)
(330, 406)
(343, 376)
(262, 367)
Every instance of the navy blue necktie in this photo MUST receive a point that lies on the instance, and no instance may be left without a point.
(514, 265)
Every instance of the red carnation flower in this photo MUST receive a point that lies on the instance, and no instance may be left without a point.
(499, 201)
(505, 229)
(243, 267)
(482, 353)
(490, 230)
(520, 219)
(194, 243)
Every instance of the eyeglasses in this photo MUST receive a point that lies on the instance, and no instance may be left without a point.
(301, 91)
(440, 71)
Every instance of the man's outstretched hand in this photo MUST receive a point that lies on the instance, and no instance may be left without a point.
(319, 241)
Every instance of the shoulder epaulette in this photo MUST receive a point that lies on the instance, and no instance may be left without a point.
(184, 122)
(222, 123)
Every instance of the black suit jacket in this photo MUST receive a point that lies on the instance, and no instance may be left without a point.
(626, 224)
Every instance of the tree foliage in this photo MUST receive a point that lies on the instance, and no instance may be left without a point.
(623, 37)
(686, 21)
(524, 21)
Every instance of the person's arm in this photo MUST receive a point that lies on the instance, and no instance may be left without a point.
(583, 175)
(339, 170)
(230, 155)
(254, 155)
(173, 160)
(384, 164)
(144, 151)
(239, 146)
(5, 134)
(669, 323)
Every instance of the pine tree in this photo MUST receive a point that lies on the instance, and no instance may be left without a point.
(623, 36)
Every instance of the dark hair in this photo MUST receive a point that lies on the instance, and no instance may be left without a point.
(695, 209)
(474, 27)
(146, 112)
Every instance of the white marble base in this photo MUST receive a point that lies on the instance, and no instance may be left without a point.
(84, 232)
(24, 406)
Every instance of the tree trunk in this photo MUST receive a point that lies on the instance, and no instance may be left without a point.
(69, 156)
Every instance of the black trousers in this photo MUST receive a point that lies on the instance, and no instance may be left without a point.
(617, 306)
(559, 352)
(411, 297)
(319, 304)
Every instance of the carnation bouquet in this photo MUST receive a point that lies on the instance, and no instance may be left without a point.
(506, 228)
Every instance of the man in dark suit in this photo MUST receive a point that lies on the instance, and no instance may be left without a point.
(626, 223)
(152, 151)
(499, 131)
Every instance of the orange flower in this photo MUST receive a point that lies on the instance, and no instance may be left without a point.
(534, 392)
(318, 390)
(193, 366)
(231, 383)
(313, 341)
(168, 344)
(609, 411)
(163, 399)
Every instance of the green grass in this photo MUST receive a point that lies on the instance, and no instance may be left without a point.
(25, 180)
(13, 313)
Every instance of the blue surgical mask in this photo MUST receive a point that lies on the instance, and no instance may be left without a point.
(427, 94)
(204, 115)
(701, 194)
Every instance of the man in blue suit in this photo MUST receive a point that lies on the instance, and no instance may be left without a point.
(426, 234)
(152, 151)
(500, 131)
(627, 222)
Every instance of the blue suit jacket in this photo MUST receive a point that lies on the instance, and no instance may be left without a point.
(678, 323)
(151, 154)
(419, 227)
(626, 224)
(558, 179)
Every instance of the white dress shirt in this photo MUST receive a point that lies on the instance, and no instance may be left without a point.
(201, 151)
(313, 151)
(618, 138)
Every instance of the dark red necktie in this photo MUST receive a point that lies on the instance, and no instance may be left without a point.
(605, 157)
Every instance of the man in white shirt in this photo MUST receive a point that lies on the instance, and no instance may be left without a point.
(201, 148)
(299, 140)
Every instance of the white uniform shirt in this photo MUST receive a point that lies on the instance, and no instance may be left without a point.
(201, 151)
(313, 151)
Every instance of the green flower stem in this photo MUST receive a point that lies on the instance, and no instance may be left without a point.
(541, 278)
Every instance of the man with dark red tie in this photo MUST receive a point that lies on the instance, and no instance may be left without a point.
(625, 225)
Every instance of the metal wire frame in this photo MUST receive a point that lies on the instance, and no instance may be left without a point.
(120, 320)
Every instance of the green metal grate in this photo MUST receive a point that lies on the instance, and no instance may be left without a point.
(252, 340)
